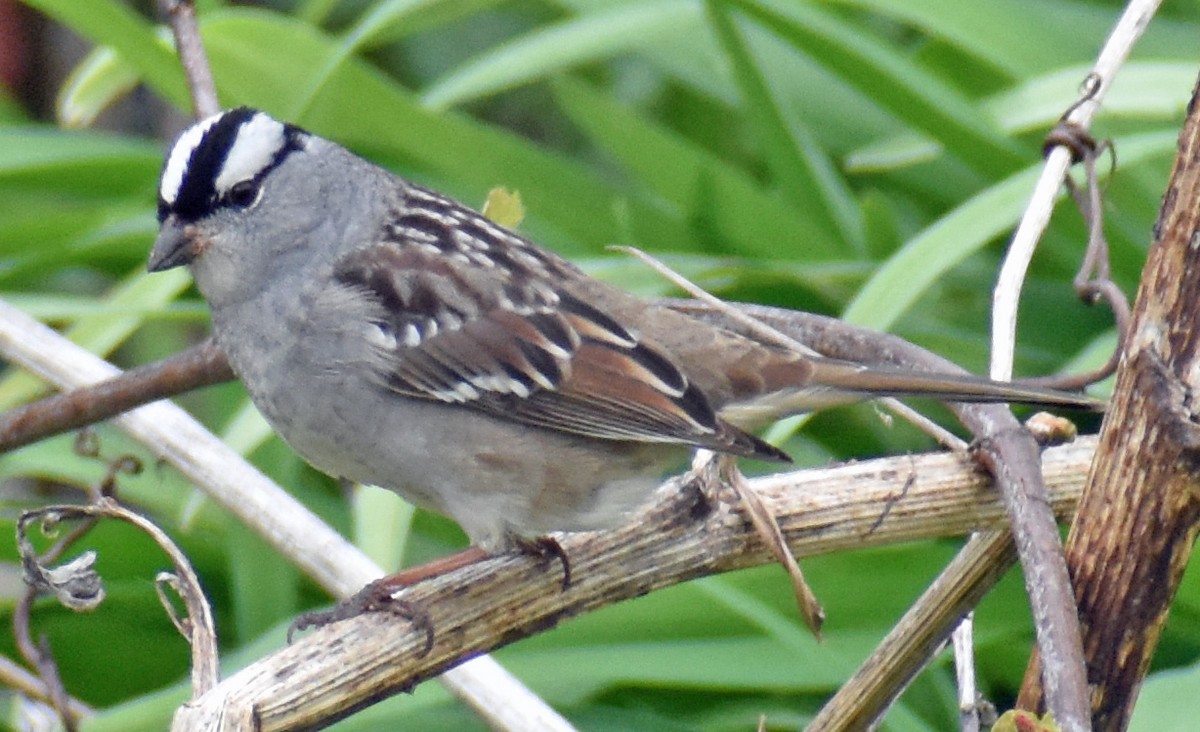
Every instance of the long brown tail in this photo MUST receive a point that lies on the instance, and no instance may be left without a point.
(875, 381)
(830, 383)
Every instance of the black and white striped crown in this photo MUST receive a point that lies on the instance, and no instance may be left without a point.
(219, 152)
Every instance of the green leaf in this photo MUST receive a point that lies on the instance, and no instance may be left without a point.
(102, 332)
(551, 49)
(1023, 37)
(465, 156)
(892, 80)
(114, 24)
(392, 20)
(409, 15)
(1167, 701)
(263, 584)
(722, 199)
(88, 165)
(801, 169)
(1142, 90)
(1017, 37)
(95, 83)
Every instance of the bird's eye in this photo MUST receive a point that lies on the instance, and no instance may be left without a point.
(243, 194)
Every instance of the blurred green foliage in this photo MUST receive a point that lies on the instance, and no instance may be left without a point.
(859, 157)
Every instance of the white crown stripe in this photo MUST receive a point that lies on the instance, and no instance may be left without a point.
(176, 167)
(258, 141)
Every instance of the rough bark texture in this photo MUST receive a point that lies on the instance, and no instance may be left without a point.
(346, 666)
(1139, 514)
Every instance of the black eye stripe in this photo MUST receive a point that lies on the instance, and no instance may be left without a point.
(197, 195)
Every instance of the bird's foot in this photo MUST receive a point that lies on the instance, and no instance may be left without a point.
(547, 549)
(380, 596)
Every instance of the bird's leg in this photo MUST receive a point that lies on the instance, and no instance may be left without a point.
(380, 596)
(714, 473)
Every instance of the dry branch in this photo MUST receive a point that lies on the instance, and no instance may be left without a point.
(1046, 576)
(1140, 513)
(920, 634)
(477, 608)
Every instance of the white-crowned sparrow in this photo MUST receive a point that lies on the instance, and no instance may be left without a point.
(393, 336)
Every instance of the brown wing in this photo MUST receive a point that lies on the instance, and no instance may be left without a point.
(463, 320)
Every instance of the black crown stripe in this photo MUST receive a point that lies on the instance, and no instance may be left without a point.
(197, 190)
(197, 196)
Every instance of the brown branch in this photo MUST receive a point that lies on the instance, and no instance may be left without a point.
(181, 15)
(1140, 512)
(195, 367)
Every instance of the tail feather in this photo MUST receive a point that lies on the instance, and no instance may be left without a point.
(831, 383)
(876, 381)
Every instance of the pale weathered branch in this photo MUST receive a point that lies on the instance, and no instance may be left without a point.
(479, 607)
(1007, 294)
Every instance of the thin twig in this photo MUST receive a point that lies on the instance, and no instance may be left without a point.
(919, 635)
(16, 678)
(198, 366)
(75, 583)
(963, 642)
(202, 632)
(1127, 31)
(78, 586)
(1046, 578)
(765, 332)
(723, 469)
(940, 434)
(38, 655)
(761, 330)
(181, 15)
(1093, 282)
